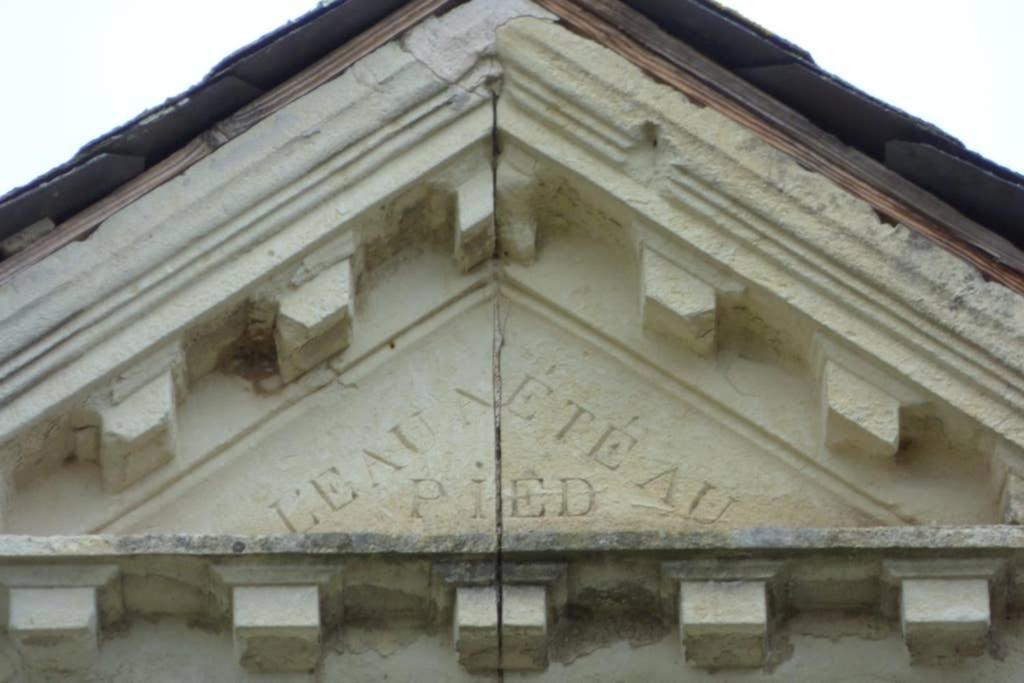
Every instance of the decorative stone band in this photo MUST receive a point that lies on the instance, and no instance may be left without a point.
(731, 593)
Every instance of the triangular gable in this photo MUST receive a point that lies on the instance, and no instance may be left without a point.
(619, 308)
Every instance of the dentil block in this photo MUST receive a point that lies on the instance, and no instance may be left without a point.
(724, 624)
(277, 628)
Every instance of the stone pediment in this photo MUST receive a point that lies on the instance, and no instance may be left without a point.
(495, 342)
(671, 324)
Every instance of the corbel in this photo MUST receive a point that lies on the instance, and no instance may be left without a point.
(471, 583)
(515, 181)
(726, 610)
(861, 405)
(279, 612)
(55, 614)
(314, 319)
(677, 303)
(530, 593)
(130, 429)
(1006, 465)
(474, 215)
(945, 605)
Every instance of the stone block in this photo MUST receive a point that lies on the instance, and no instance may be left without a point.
(524, 628)
(55, 629)
(314, 321)
(859, 417)
(138, 434)
(474, 218)
(277, 628)
(675, 303)
(475, 627)
(516, 216)
(1013, 499)
(945, 618)
(724, 624)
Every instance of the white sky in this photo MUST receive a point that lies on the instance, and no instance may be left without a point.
(73, 69)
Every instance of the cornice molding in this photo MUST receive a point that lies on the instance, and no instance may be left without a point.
(325, 184)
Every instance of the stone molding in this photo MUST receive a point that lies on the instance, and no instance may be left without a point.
(300, 232)
(798, 573)
(499, 158)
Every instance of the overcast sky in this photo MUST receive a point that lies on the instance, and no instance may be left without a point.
(74, 69)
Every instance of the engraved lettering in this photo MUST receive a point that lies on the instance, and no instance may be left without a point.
(577, 497)
(334, 490)
(662, 486)
(288, 510)
(371, 460)
(425, 490)
(410, 437)
(579, 412)
(473, 398)
(612, 448)
(710, 505)
(414, 434)
(525, 399)
(470, 405)
(705, 487)
(526, 494)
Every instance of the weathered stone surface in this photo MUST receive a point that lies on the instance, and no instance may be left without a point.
(676, 303)
(945, 606)
(354, 331)
(396, 587)
(314, 321)
(945, 618)
(524, 627)
(1013, 499)
(475, 627)
(367, 450)
(277, 628)
(55, 629)
(139, 434)
(474, 218)
(859, 417)
(616, 204)
(724, 624)
(516, 207)
(591, 442)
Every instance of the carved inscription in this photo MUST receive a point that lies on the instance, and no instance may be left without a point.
(573, 425)
(564, 497)
(333, 490)
(698, 500)
(565, 430)
(385, 461)
(426, 491)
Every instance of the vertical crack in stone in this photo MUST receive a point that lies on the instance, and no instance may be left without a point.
(497, 343)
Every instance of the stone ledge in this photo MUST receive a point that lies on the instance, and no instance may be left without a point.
(996, 539)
